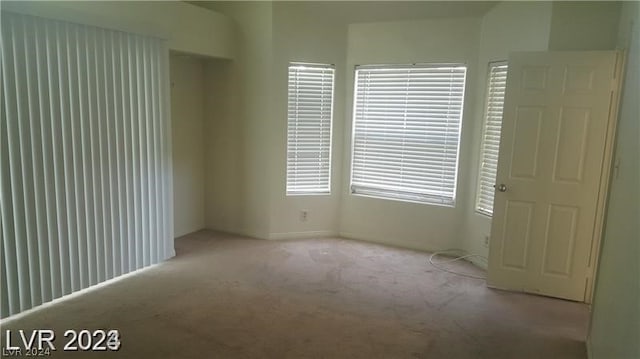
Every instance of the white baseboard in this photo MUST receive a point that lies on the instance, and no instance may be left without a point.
(403, 245)
(478, 263)
(240, 232)
(275, 236)
(416, 247)
(189, 233)
(301, 235)
(254, 233)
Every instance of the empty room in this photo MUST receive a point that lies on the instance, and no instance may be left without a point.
(320, 179)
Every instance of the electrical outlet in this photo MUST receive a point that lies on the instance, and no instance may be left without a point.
(486, 240)
(304, 215)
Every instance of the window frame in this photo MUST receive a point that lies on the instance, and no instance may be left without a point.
(410, 197)
(485, 124)
(315, 191)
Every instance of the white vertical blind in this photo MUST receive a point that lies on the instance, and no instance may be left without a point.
(497, 83)
(406, 131)
(310, 112)
(86, 186)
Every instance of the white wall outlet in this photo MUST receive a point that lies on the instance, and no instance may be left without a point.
(486, 240)
(304, 215)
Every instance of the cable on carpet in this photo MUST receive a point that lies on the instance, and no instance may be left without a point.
(464, 255)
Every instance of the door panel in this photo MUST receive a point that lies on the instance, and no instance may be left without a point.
(571, 144)
(559, 240)
(578, 79)
(516, 234)
(555, 120)
(534, 78)
(524, 159)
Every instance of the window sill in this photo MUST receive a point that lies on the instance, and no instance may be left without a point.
(299, 194)
(483, 214)
(405, 200)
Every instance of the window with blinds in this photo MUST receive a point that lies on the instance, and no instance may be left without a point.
(497, 82)
(406, 131)
(309, 117)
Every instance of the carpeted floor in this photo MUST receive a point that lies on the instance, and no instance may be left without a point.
(231, 297)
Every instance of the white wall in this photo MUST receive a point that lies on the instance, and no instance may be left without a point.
(300, 35)
(187, 28)
(615, 326)
(246, 117)
(584, 25)
(297, 33)
(246, 87)
(509, 26)
(247, 122)
(187, 123)
(224, 148)
(412, 225)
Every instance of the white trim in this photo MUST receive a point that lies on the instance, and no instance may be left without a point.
(302, 235)
(253, 233)
(606, 174)
(369, 239)
(589, 347)
(246, 232)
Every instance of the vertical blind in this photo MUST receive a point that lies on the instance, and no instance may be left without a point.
(406, 131)
(86, 186)
(309, 117)
(497, 82)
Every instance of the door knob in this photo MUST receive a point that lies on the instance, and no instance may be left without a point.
(501, 187)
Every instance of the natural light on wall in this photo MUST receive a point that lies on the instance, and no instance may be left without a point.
(497, 83)
(85, 158)
(406, 131)
(310, 112)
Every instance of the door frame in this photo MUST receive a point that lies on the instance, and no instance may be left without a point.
(606, 173)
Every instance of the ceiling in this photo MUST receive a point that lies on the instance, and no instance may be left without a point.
(374, 11)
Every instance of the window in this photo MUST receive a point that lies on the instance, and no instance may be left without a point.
(406, 131)
(491, 137)
(310, 109)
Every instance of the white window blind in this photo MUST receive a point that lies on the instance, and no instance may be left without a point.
(85, 158)
(406, 131)
(497, 82)
(309, 117)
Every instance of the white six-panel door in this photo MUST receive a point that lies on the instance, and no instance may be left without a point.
(554, 133)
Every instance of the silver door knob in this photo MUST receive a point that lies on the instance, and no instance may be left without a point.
(501, 187)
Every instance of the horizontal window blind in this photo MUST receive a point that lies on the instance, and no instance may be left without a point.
(496, 86)
(85, 158)
(309, 118)
(406, 131)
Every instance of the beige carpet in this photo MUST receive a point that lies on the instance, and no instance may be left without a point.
(231, 297)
